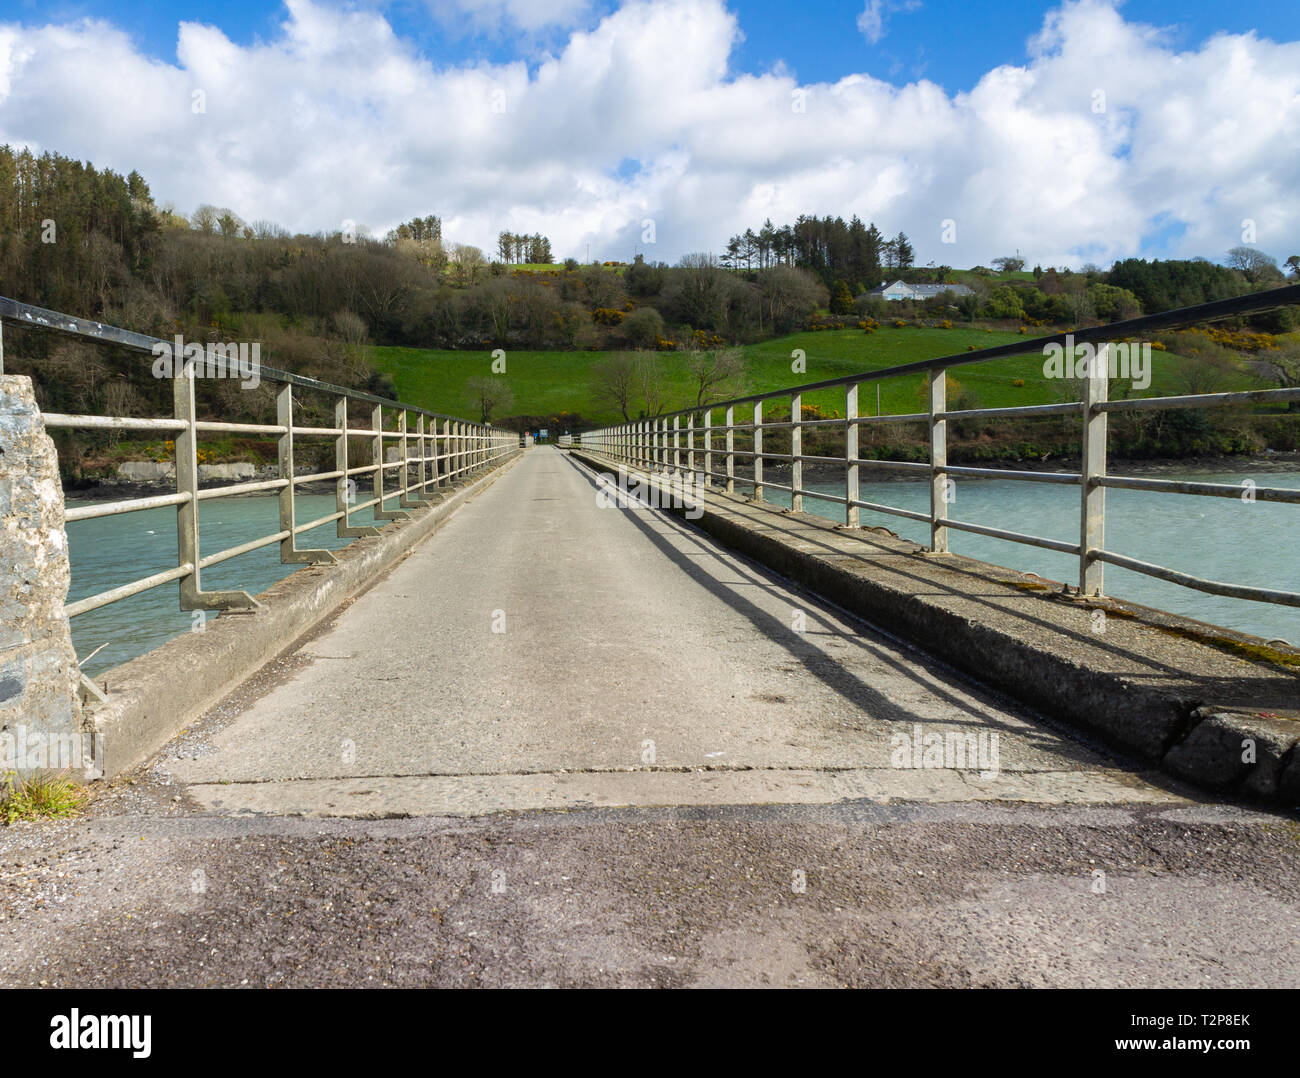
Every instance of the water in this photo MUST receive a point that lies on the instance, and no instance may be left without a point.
(112, 551)
(1223, 539)
(1219, 538)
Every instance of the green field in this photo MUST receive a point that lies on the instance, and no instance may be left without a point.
(554, 384)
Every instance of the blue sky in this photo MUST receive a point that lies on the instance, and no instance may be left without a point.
(594, 121)
(951, 42)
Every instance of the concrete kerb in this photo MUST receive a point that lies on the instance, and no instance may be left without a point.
(1149, 687)
(145, 709)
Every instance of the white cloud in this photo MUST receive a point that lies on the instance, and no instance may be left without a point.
(871, 20)
(338, 118)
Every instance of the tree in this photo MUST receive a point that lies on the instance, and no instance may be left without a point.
(506, 247)
(617, 382)
(490, 395)
(841, 299)
(204, 219)
(1112, 303)
(787, 296)
(1253, 264)
(699, 291)
(650, 385)
(420, 229)
(1004, 303)
(643, 327)
(904, 255)
(467, 263)
(1009, 263)
(1293, 264)
(229, 224)
(716, 375)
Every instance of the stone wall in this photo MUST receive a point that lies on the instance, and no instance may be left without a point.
(41, 725)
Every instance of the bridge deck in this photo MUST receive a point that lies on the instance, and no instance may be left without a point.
(621, 628)
(637, 663)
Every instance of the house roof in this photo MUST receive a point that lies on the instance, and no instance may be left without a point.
(924, 290)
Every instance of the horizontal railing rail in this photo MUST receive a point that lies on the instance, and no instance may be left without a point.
(667, 443)
(430, 450)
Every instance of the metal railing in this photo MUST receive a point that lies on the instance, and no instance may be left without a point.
(434, 451)
(656, 444)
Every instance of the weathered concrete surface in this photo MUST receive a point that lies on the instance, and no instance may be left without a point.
(154, 696)
(40, 714)
(474, 795)
(629, 643)
(950, 895)
(1143, 685)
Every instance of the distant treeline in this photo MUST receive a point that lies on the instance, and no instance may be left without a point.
(854, 253)
(95, 243)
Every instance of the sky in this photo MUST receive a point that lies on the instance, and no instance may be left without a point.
(1081, 131)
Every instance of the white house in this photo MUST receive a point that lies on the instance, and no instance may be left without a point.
(902, 290)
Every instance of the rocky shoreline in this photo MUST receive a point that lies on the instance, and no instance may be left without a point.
(137, 485)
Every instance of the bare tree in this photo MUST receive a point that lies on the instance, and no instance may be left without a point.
(467, 263)
(1253, 263)
(229, 223)
(428, 252)
(490, 395)
(650, 384)
(617, 382)
(786, 295)
(716, 375)
(204, 219)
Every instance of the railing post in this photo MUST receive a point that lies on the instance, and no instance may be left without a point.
(677, 444)
(796, 451)
(731, 448)
(186, 446)
(422, 428)
(690, 444)
(289, 552)
(708, 447)
(1092, 530)
(406, 500)
(758, 451)
(346, 488)
(439, 451)
(850, 455)
(377, 422)
(938, 460)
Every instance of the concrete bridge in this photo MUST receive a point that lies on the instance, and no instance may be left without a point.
(593, 656)
(539, 732)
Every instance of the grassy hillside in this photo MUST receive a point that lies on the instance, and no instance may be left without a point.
(555, 383)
